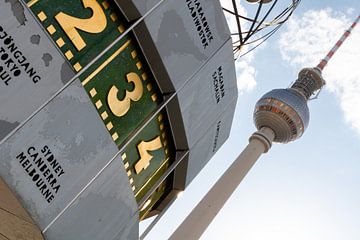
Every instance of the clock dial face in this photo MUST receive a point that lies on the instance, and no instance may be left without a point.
(81, 29)
(120, 86)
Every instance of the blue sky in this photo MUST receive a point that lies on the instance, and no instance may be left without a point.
(308, 189)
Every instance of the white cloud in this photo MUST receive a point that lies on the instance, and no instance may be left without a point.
(309, 37)
(245, 70)
(246, 73)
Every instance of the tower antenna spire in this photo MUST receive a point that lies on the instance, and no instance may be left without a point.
(325, 60)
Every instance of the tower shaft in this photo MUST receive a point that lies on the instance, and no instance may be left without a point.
(206, 210)
(324, 61)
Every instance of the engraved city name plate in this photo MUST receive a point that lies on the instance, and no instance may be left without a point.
(208, 93)
(103, 211)
(134, 9)
(31, 68)
(208, 144)
(49, 160)
(185, 34)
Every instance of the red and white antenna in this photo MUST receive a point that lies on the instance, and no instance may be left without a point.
(310, 81)
(324, 61)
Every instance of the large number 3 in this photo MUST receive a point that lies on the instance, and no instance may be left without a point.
(121, 107)
(95, 24)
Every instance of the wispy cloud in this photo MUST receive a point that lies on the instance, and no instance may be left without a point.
(245, 70)
(309, 37)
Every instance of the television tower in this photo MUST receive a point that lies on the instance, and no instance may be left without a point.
(281, 116)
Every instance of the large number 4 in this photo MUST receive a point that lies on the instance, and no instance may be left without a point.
(95, 24)
(145, 157)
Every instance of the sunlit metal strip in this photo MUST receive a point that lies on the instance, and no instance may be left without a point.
(171, 168)
(31, 3)
(105, 63)
(156, 220)
(152, 176)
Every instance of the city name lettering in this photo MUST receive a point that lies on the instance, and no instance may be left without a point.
(218, 81)
(43, 169)
(13, 61)
(200, 21)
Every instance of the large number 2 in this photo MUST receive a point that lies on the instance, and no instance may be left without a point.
(121, 107)
(95, 24)
(145, 157)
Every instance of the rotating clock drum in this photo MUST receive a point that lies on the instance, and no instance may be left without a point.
(109, 109)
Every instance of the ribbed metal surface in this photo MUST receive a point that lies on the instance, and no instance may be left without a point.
(276, 123)
(309, 81)
(289, 120)
(294, 100)
(67, 141)
(31, 68)
(180, 41)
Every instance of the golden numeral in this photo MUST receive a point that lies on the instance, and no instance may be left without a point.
(95, 24)
(145, 157)
(121, 107)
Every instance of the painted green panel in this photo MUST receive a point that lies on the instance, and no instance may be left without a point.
(112, 70)
(144, 180)
(98, 24)
(162, 157)
(160, 193)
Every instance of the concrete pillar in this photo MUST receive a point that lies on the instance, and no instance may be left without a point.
(15, 223)
(206, 210)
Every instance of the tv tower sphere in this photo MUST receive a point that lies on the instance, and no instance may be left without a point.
(285, 111)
